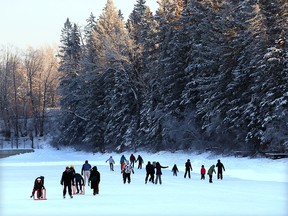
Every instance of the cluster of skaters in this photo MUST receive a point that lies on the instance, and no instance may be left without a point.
(154, 170)
(70, 179)
(91, 176)
(150, 171)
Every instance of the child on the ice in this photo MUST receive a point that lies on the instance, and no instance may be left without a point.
(175, 170)
(38, 186)
(202, 172)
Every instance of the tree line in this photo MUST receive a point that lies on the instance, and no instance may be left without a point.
(28, 86)
(196, 75)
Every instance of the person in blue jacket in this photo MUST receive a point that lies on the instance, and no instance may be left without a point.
(85, 171)
(122, 162)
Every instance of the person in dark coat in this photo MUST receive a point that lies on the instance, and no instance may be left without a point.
(159, 172)
(67, 181)
(95, 180)
(72, 169)
(150, 171)
(175, 170)
(188, 167)
(38, 186)
(79, 182)
(220, 168)
(210, 173)
(132, 160)
(140, 161)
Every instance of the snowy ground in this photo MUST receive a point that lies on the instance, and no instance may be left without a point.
(250, 186)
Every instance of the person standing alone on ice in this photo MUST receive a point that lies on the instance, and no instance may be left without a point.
(85, 171)
(175, 170)
(95, 180)
(111, 163)
(67, 181)
(140, 161)
(188, 167)
(220, 167)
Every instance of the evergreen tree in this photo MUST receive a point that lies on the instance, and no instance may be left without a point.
(70, 85)
(266, 113)
(120, 100)
(197, 74)
(89, 61)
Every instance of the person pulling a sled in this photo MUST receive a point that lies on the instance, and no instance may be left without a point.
(79, 183)
(38, 186)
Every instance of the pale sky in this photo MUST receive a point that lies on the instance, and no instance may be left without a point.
(37, 23)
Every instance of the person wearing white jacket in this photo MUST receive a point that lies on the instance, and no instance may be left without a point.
(127, 169)
(111, 163)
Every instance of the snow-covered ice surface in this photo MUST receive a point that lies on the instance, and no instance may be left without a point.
(249, 187)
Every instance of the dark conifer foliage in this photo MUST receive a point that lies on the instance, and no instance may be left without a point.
(195, 75)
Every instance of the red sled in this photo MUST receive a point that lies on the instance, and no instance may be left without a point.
(74, 190)
(43, 197)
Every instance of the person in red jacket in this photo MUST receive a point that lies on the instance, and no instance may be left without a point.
(202, 172)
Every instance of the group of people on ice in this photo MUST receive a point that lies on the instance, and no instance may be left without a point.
(92, 175)
(155, 168)
(71, 179)
(211, 170)
(88, 174)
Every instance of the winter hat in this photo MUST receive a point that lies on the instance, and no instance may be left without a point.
(67, 167)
